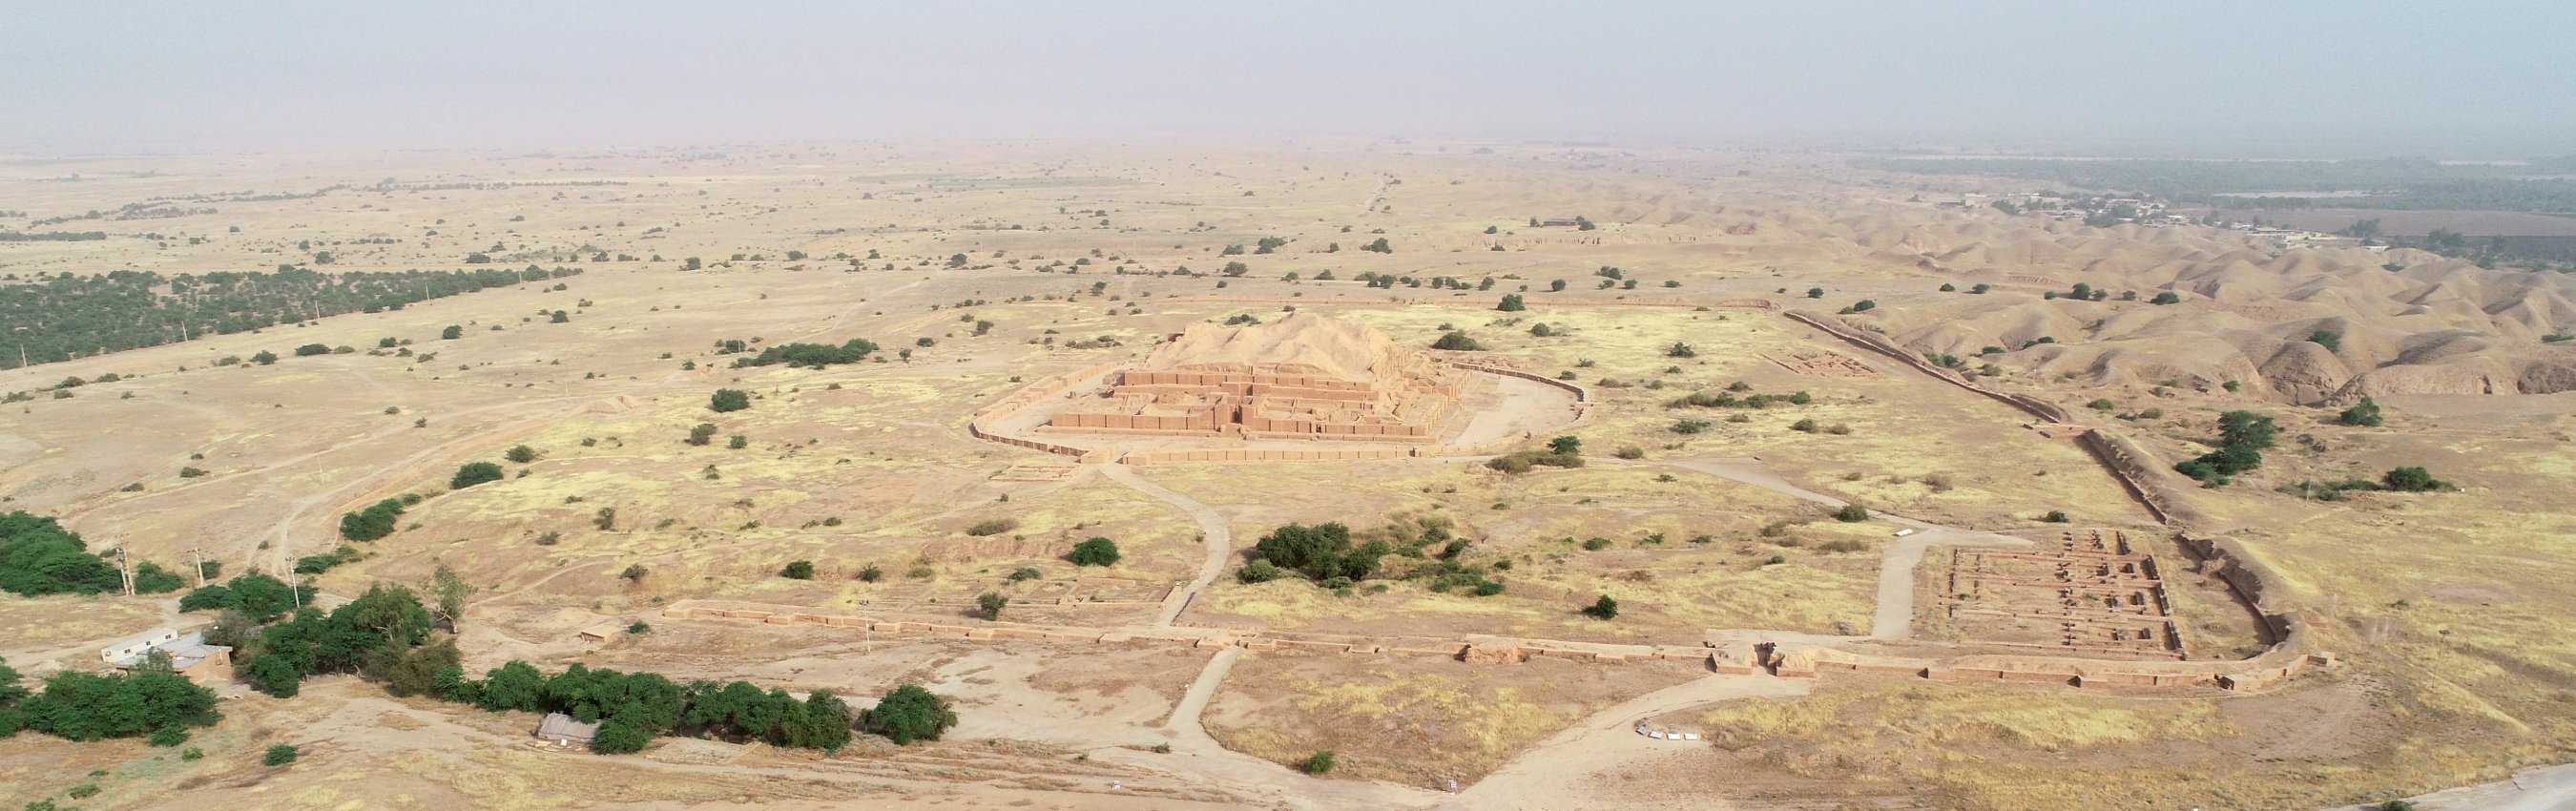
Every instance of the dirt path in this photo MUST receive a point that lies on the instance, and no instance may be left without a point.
(1546, 776)
(1894, 616)
(1195, 753)
(2539, 788)
(1212, 528)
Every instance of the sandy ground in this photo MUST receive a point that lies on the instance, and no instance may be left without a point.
(2439, 604)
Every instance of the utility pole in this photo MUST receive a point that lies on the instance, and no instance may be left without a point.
(197, 560)
(125, 568)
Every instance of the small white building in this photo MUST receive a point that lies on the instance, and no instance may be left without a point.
(189, 654)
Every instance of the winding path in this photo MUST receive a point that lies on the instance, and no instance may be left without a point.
(1212, 528)
(1894, 613)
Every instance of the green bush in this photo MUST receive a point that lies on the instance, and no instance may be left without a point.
(2364, 414)
(1457, 342)
(728, 400)
(1602, 609)
(474, 473)
(909, 714)
(797, 570)
(1094, 552)
(1852, 514)
(520, 454)
(279, 755)
(376, 521)
(2412, 480)
(1318, 763)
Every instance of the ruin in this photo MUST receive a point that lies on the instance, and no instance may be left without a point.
(2091, 594)
(1301, 377)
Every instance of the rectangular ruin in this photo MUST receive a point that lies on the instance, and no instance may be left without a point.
(1299, 378)
(2086, 592)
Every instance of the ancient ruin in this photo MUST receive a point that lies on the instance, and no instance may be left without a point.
(2088, 593)
(1301, 377)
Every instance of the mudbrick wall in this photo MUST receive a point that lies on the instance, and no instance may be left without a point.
(2147, 480)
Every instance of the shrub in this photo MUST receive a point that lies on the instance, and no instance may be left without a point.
(309, 350)
(1258, 571)
(1680, 350)
(909, 714)
(702, 434)
(728, 400)
(2330, 339)
(264, 357)
(1321, 761)
(2055, 517)
(871, 574)
(2364, 414)
(1602, 609)
(1852, 514)
(474, 473)
(992, 526)
(1458, 342)
(520, 454)
(279, 755)
(991, 603)
(1511, 303)
(797, 570)
(1094, 552)
(2412, 480)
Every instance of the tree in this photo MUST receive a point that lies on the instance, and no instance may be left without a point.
(991, 603)
(449, 592)
(2363, 414)
(2166, 297)
(515, 685)
(275, 675)
(279, 755)
(797, 570)
(264, 357)
(451, 332)
(520, 454)
(1378, 246)
(474, 473)
(1511, 303)
(728, 400)
(38, 557)
(376, 521)
(909, 714)
(619, 736)
(1094, 552)
(1602, 609)
(417, 671)
(309, 350)
(1565, 445)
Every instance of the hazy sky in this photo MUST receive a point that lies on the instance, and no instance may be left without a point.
(2455, 79)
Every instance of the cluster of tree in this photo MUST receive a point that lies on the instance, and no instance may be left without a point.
(1728, 398)
(257, 597)
(2242, 437)
(82, 706)
(632, 708)
(728, 400)
(2396, 480)
(38, 557)
(813, 356)
(1330, 555)
(52, 236)
(71, 315)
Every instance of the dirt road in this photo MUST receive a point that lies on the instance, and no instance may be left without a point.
(1212, 530)
(1546, 776)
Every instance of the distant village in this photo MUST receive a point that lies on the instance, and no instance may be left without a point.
(2104, 211)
